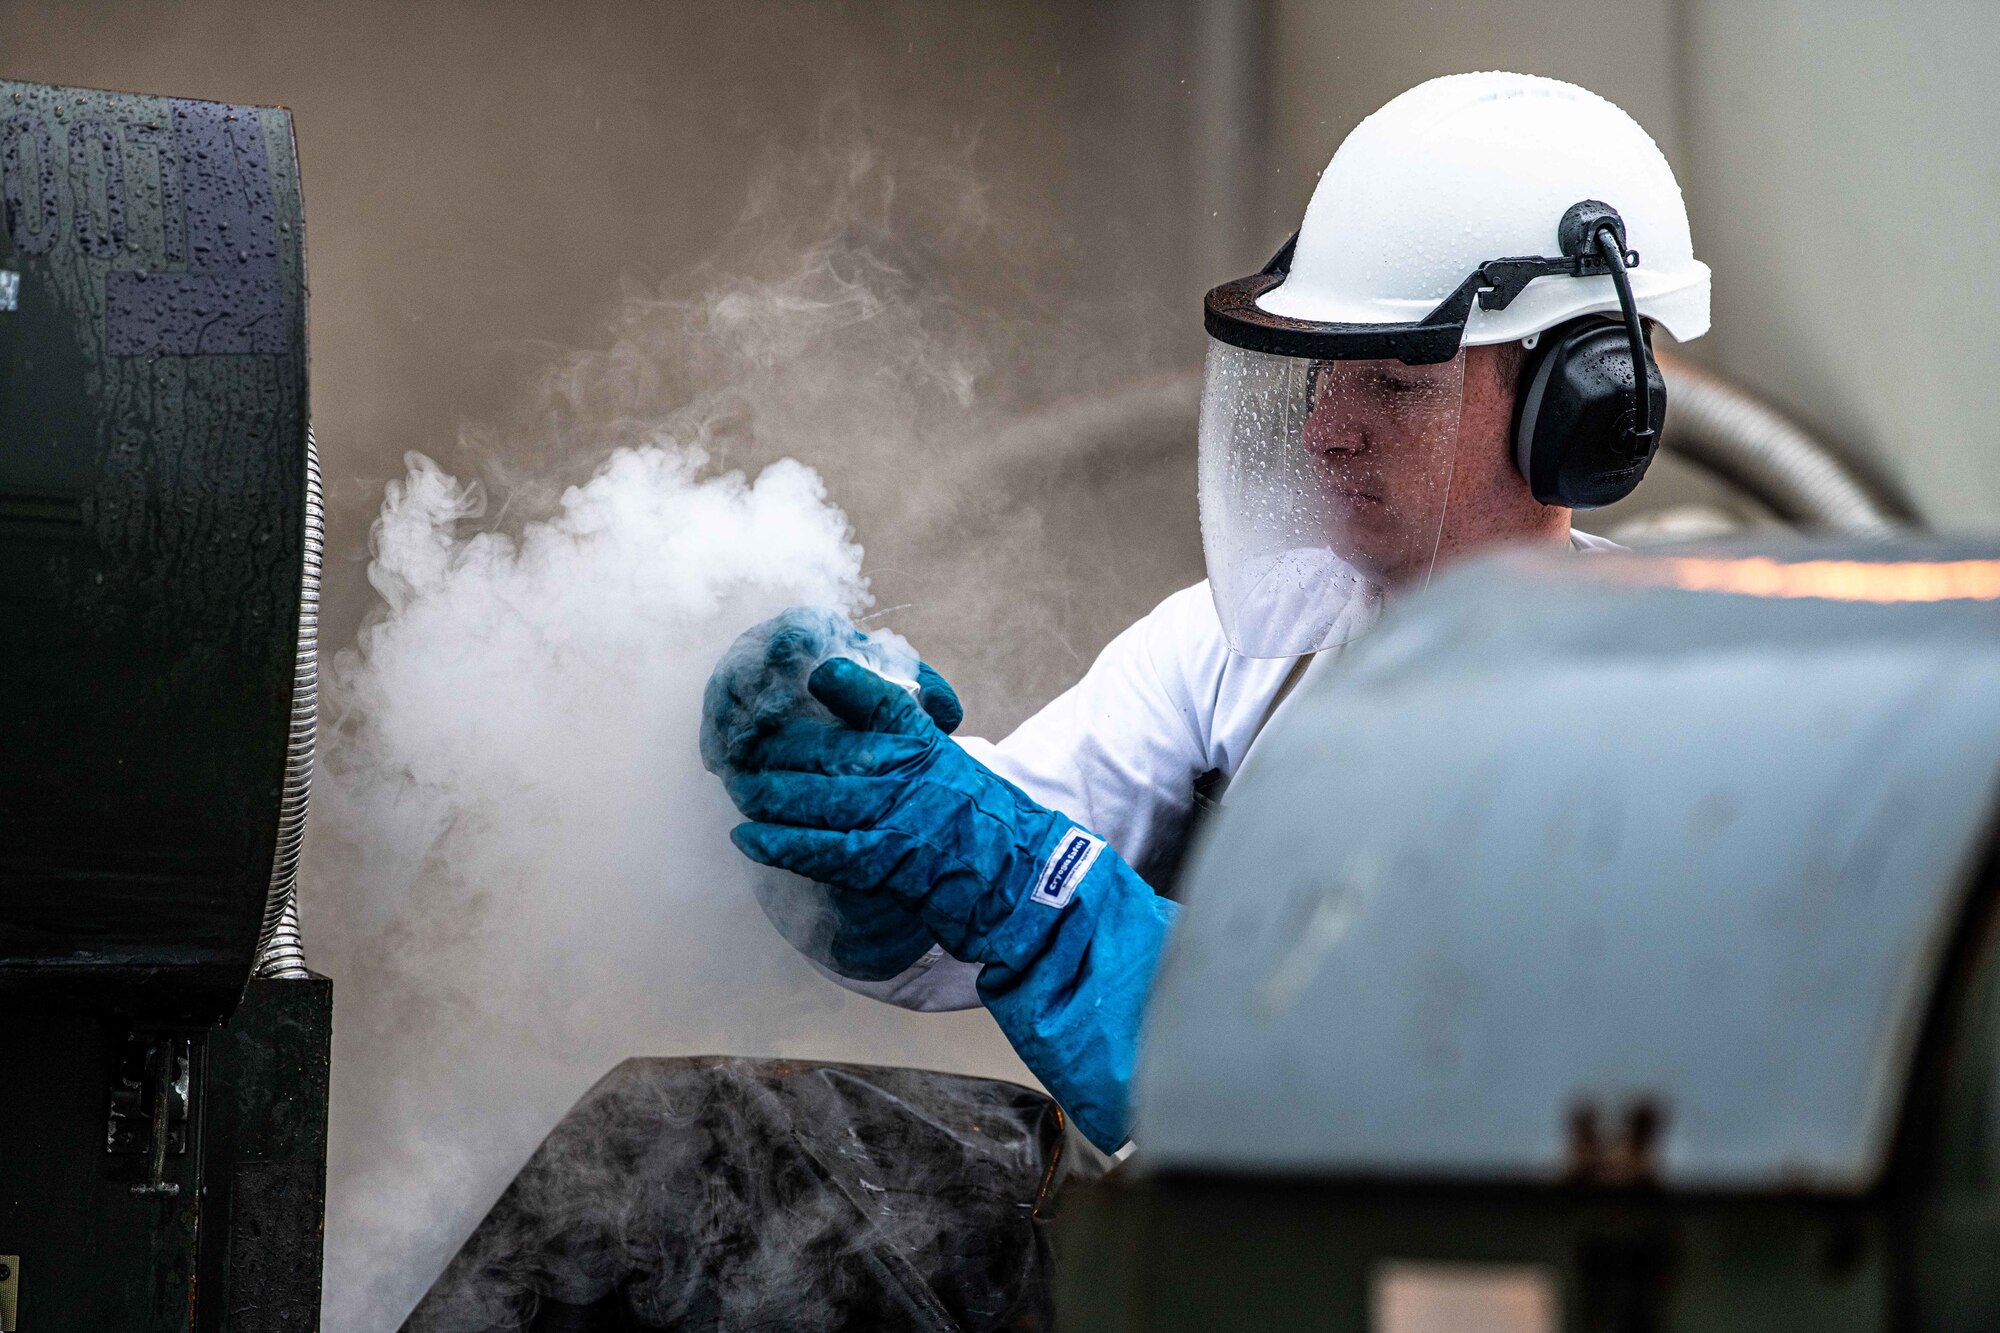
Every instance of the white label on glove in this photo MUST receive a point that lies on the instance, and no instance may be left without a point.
(1068, 864)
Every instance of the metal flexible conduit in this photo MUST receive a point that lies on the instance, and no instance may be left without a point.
(1719, 427)
(280, 952)
(283, 956)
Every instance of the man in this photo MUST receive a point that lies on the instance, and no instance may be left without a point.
(1448, 357)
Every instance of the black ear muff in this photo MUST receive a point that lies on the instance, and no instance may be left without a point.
(1575, 439)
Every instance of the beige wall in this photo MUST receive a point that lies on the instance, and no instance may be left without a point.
(1334, 61)
(484, 180)
(1847, 189)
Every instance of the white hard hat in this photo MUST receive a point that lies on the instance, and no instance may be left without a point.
(1471, 168)
(1475, 209)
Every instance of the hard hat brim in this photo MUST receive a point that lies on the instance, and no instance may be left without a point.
(1475, 312)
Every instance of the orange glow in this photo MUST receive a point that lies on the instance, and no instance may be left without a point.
(1841, 580)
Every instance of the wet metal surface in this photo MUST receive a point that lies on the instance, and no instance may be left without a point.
(1569, 873)
(152, 458)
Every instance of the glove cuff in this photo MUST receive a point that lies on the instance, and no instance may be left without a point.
(1071, 989)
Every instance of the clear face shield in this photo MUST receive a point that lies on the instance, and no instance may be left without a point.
(1327, 449)
(1323, 490)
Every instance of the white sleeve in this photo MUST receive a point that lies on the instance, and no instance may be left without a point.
(1119, 752)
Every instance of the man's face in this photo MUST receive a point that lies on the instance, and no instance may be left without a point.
(1385, 435)
(1327, 480)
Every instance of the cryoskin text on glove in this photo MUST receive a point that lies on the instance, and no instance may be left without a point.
(879, 800)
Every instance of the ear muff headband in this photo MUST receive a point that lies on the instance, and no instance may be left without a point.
(1589, 418)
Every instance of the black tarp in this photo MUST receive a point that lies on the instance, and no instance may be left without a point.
(719, 1193)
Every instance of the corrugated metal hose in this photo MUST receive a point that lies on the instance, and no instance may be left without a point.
(280, 951)
(1721, 428)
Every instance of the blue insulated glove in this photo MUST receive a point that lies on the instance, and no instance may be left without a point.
(758, 686)
(875, 799)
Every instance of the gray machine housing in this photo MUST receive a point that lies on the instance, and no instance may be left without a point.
(1625, 917)
(1570, 840)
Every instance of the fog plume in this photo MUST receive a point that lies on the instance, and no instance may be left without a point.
(518, 872)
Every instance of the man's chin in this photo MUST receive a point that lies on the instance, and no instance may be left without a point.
(1389, 559)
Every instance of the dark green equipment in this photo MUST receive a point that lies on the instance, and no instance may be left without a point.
(162, 1117)
(1604, 944)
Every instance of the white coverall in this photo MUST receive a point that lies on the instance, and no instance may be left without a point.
(1120, 751)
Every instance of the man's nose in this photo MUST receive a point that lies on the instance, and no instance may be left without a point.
(1336, 434)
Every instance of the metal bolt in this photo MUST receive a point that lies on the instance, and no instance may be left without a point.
(6, 1272)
